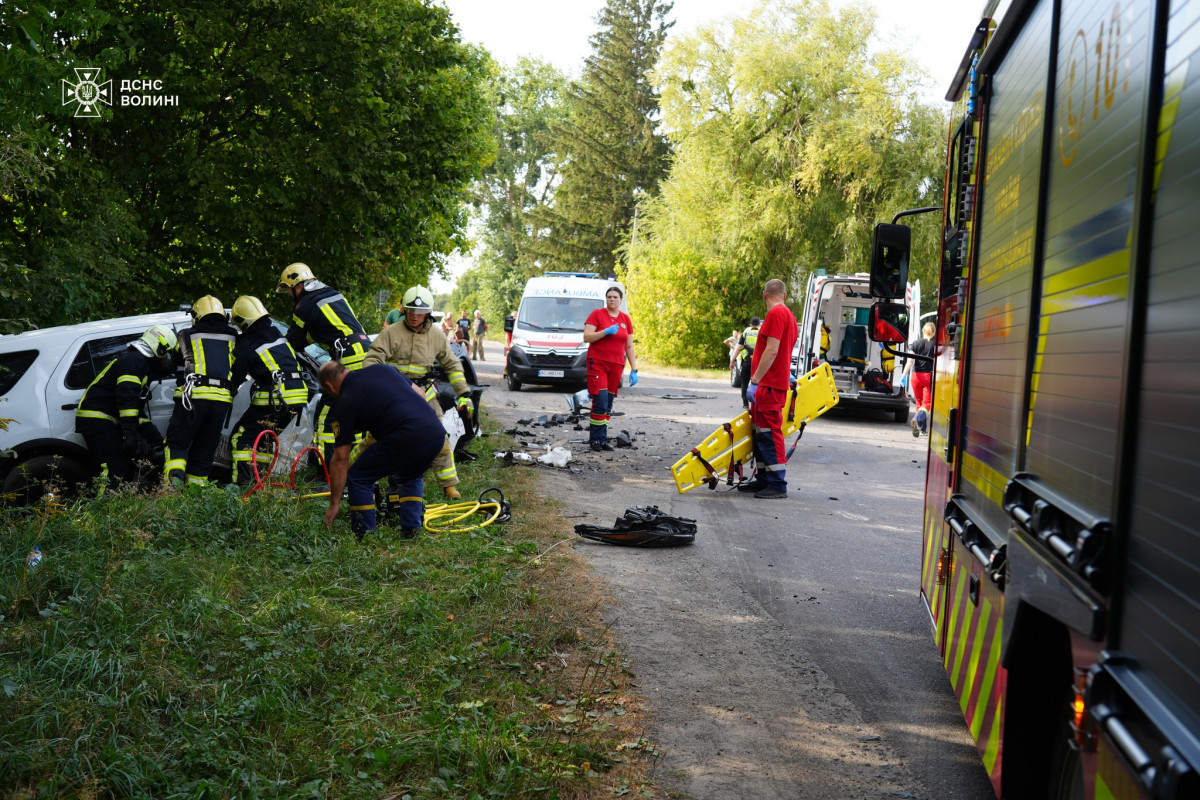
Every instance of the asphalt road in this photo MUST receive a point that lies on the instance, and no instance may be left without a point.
(786, 653)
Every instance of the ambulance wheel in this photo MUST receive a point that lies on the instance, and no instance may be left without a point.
(902, 415)
(514, 385)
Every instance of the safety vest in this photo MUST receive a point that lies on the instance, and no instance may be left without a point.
(751, 337)
(323, 316)
(268, 358)
(207, 350)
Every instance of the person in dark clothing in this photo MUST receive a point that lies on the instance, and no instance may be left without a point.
(204, 395)
(111, 415)
(278, 394)
(743, 356)
(322, 315)
(920, 372)
(404, 437)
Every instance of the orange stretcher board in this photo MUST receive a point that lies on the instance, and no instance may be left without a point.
(808, 398)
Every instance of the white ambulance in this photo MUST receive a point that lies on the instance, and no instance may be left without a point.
(547, 344)
(833, 328)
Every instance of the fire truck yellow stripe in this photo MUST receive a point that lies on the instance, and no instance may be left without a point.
(975, 721)
(992, 751)
(957, 624)
(1113, 265)
(987, 480)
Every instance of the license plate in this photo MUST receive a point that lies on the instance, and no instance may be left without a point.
(550, 373)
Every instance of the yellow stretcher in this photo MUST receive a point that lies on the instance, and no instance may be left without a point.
(729, 446)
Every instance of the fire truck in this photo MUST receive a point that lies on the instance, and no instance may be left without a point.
(1061, 533)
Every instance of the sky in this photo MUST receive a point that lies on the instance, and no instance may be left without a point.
(934, 32)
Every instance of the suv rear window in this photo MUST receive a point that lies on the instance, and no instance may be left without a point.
(92, 357)
(13, 366)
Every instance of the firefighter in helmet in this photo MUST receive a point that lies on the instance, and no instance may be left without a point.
(112, 416)
(204, 395)
(278, 393)
(322, 315)
(414, 346)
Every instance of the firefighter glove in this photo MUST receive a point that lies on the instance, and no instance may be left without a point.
(633, 377)
(130, 441)
(464, 401)
(611, 329)
(750, 390)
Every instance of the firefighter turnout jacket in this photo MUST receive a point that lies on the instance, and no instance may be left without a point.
(264, 355)
(207, 351)
(118, 394)
(415, 353)
(322, 315)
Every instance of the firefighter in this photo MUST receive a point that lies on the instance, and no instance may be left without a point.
(322, 315)
(112, 416)
(278, 394)
(414, 346)
(204, 395)
(404, 438)
(740, 358)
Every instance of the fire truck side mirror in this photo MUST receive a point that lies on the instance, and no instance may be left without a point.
(890, 248)
(509, 321)
(888, 323)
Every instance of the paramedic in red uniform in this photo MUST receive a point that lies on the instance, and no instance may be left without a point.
(770, 374)
(609, 334)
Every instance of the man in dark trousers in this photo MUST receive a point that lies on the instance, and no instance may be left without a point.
(322, 315)
(111, 415)
(404, 436)
(204, 396)
(279, 392)
(770, 374)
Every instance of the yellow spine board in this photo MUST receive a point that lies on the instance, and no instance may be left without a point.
(812, 394)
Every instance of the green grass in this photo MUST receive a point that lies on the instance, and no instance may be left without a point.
(198, 645)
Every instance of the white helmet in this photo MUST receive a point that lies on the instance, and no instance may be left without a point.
(160, 339)
(418, 299)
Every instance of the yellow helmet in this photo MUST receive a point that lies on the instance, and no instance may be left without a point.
(293, 274)
(247, 310)
(160, 339)
(207, 305)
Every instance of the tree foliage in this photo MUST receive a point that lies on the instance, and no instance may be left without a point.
(341, 133)
(792, 137)
(529, 100)
(611, 153)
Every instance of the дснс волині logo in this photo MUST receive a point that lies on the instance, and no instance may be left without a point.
(88, 93)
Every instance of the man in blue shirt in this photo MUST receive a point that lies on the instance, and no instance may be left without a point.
(404, 436)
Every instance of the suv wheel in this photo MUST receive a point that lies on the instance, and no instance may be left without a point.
(28, 481)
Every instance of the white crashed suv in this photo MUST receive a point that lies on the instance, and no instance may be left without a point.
(43, 375)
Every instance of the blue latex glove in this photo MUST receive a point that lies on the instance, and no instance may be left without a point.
(611, 329)
(633, 377)
(904, 381)
(750, 390)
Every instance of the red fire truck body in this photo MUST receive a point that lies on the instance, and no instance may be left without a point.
(1061, 557)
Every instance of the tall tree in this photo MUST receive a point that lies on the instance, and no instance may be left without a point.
(793, 135)
(530, 101)
(611, 152)
(343, 133)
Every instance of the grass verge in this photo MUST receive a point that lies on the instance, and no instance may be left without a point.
(195, 644)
